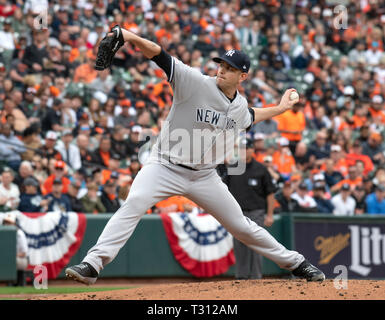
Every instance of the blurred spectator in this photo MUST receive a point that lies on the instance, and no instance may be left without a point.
(26, 170)
(52, 118)
(291, 124)
(379, 176)
(109, 197)
(332, 176)
(259, 147)
(112, 171)
(175, 204)
(344, 203)
(306, 202)
(357, 53)
(7, 40)
(276, 177)
(345, 72)
(134, 142)
(76, 204)
(9, 192)
(368, 185)
(283, 158)
(287, 204)
(31, 140)
(68, 115)
(69, 152)
(373, 54)
(376, 111)
(11, 147)
(375, 202)
(37, 51)
(301, 156)
(135, 166)
(302, 60)
(86, 72)
(360, 168)
(57, 201)
(101, 156)
(39, 168)
(104, 82)
(353, 180)
(359, 196)
(91, 201)
(267, 127)
(48, 149)
(337, 155)
(118, 141)
(31, 200)
(323, 205)
(58, 174)
(373, 149)
(318, 150)
(82, 142)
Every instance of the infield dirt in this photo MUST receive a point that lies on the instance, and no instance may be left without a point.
(266, 289)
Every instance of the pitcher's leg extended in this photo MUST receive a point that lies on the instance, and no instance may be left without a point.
(153, 183)
(213, 196)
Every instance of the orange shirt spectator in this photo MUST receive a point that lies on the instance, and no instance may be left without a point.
(73, 54)
(376, 110)
(291, 124)
(108, 175)
(341, 166)
(85, 72)
(353, 183)
(174, 204)
(283, 160)
(353, 180)
(358, 121)
(105, 157)
(162, 33)
(356, 154)
(58, 173)
(130, 26)
(377, 114)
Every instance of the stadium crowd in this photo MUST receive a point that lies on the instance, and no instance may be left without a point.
(70, 136)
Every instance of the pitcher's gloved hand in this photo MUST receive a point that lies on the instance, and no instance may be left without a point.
(108, 47)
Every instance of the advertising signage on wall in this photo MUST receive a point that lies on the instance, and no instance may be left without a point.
(360, 247)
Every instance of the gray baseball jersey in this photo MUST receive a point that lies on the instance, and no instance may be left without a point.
(202, 123)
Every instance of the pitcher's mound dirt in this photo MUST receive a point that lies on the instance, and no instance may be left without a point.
(266, 289)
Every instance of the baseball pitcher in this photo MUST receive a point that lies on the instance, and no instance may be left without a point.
(180, 164)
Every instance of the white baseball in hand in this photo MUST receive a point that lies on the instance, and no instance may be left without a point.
(294, 95)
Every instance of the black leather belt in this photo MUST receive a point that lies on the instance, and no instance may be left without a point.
(178, 164)
(186, 167)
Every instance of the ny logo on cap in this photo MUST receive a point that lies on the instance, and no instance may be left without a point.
(230, 53)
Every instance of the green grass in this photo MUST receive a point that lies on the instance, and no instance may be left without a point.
(54, 290)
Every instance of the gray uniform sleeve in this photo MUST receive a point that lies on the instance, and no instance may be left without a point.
(246, 118)
(184, 80)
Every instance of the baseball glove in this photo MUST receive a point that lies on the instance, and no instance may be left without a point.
(109, 45)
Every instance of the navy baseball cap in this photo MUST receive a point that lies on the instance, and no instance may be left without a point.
(236, 59)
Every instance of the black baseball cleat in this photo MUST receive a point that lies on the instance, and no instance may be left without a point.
(83, 272)
(309, 272)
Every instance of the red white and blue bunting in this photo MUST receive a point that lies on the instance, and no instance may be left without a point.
(53, 238)
(199, 243)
